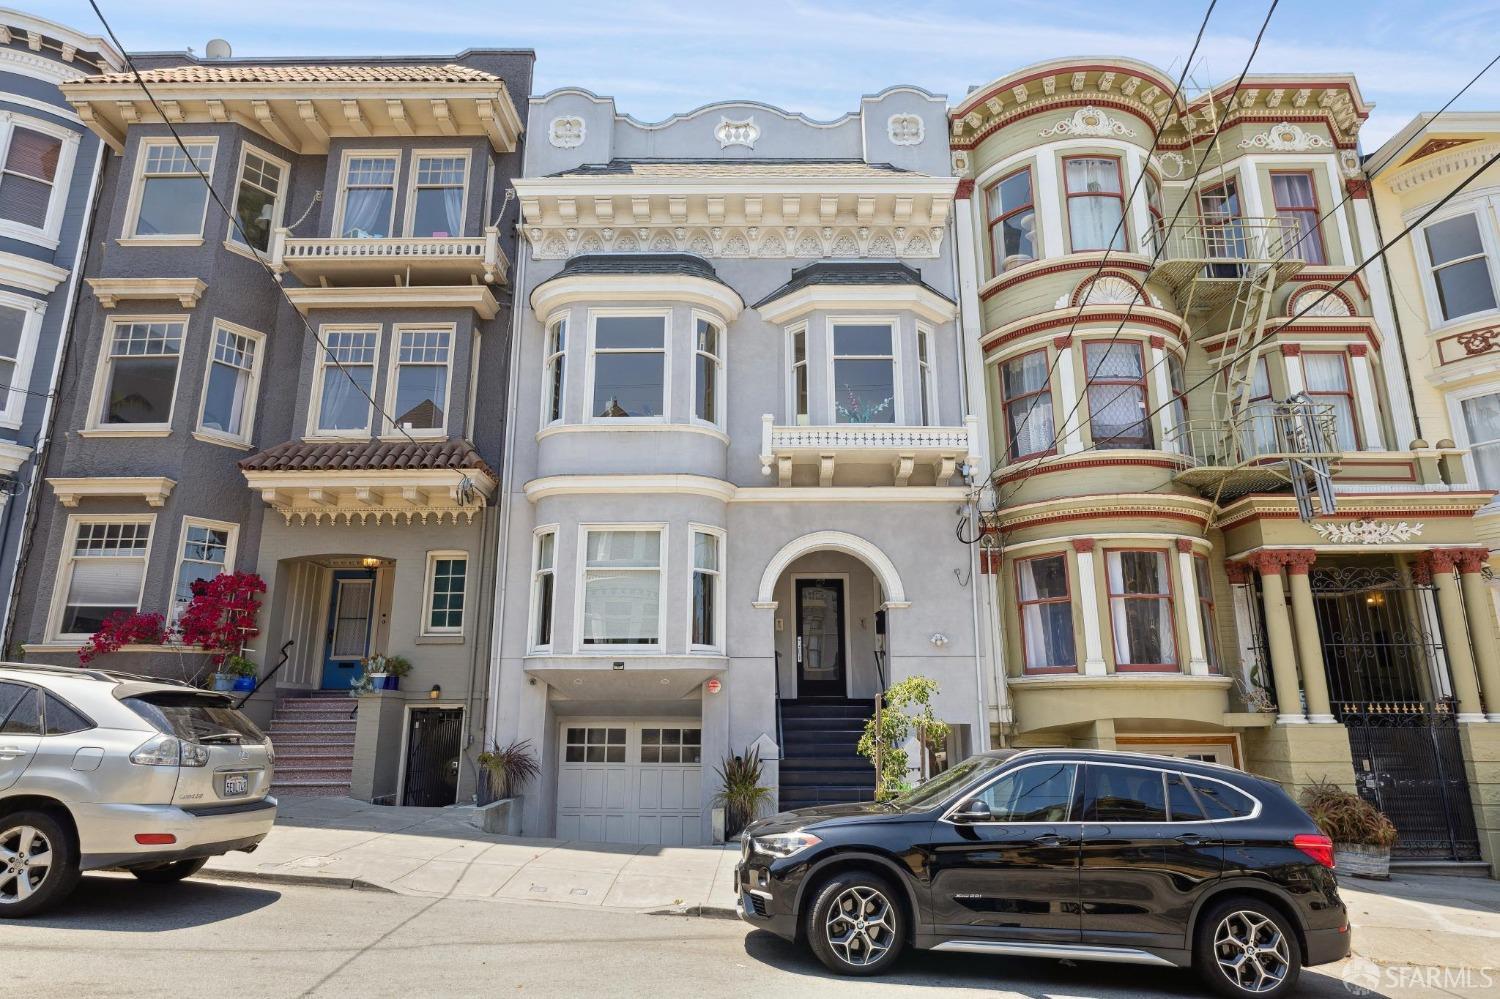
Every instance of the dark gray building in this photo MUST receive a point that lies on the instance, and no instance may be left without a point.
(297, 373)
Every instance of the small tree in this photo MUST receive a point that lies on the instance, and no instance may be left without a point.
(904, 709)
(220, 618)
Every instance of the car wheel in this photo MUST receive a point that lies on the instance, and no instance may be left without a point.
(1246, 948)
(38, 866)
(166, 874)
(856, 925)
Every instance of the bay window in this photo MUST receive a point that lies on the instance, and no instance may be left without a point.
(28, 176)
(423, 361)
(369, 196)
(102, 572)
(257, 200)
(1263, 436)
(1140, 609)
(1207, 619)
(1046, 606)
(1460, 266)
(553, 371)
(925, 384)
(622, 586)
(1012, 220)
(799, 401)
(1096, 203)
(708, 582)
(864, 373)
(543, 588)
(1026, 395)
(1327, 376)
(171, 197)
(1117, 394)
(206, 550)
(229, 389)
(20, 322)
(437, 196)
(629, 367)
(1482, 426)
(138, 380)
(1177, 406)
(1296, 203)
(345, 381)
(708, 367)
(1156, 239)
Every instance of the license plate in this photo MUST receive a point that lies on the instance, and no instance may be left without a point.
(236, 784)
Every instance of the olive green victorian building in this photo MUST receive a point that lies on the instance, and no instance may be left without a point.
(1211, 526)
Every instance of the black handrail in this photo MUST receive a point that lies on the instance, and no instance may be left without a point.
(880, 668)
(258, 683)
(780, 739)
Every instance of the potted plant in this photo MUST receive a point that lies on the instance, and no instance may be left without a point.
(510, 768)
(1361, 834)
(741, 794)
(241, 672)
(382, 672)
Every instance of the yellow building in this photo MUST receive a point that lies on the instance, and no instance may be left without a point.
(1211, 527)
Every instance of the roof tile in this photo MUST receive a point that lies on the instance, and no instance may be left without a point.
(335, 456)
(265, 73)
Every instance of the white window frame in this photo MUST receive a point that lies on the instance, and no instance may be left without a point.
(927, 397)
(720, 577)
(429, 588)
(278, 206)
(898, 372)
(321, 361)
(553, 355)
(138, 190)
(1455, 400)
(594, 315)
(389, 429)
(49, 234)
(720, 366)
(409, 215)
(95, 424)
(1486, 212)
(534, 610)
(579, 588)
(66, 557)
(230, 547)
(35, 309)
(792, 364)
(337, 232)
(252, 389)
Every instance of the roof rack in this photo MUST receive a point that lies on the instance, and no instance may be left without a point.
(92, 674)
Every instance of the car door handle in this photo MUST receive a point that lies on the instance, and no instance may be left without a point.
(1193, 839)
(11, 752)
(1051, 839)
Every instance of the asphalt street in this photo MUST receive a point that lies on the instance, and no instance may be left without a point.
(117, 937)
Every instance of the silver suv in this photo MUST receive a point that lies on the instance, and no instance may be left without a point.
(108, 770)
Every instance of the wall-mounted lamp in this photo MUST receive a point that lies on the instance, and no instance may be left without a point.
(370, 562)
(436, 692)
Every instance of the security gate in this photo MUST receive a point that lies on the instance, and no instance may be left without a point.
(1388, 681)
(432, 757)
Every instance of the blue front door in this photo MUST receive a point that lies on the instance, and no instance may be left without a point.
(351, 617)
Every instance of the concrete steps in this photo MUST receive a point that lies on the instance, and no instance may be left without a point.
(314, 739)
(819, 764)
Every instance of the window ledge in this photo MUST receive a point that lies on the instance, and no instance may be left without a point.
(337, 439)
(246, 252)
(28, 234)
(93, 432)
(160, 241)
(438, 640)
(230, 442)
(70, 645)
(612, 426)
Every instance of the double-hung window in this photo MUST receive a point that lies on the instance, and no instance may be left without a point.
(708, 593)
(630, 367)
(1046, 613)
(420, 391)
(799, 396)
(1012, 220)
(925, 384)
(257, 200)
(708, 369)
(230, 387)
(206, 550)
(346, 381)
(543, 587)
(20, 321)
(1262, 435)
(369, 196)
(102, 573)
(171, 197)
(1297, 207)
(1460, 266)
(554, 370)
(864, 373)
(1117, 394)
(1155, 240)
(139, 373)
(622, 583)
(1207, 621)
(1026, 395)
(447, 578)
(1223, 228)
(438, 195)
(1140, 609)
(1327, 375)
(1177, 405)
(28, 176)
(1482, 424)
(1096, 203)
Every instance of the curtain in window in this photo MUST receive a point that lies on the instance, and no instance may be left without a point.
(1328, 380)
(1140, 608)
(1048, 626)
(30, 168)
(1262, 437)
(1482, 419)
(1117, 410)
(368, 198)
(344, 405)
(1029, 417)
(1095, 223)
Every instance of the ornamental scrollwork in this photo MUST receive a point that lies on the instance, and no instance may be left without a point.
(737, 133)
(566, 132)
(905, 129)
(1368, 532)
(1286, 138)
(1479, 341)
(1089, 121)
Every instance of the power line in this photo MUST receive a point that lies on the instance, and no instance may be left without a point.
(234, 220)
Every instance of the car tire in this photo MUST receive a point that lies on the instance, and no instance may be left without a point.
(166, 874)
(856, 925)
(28, 887)
(1246, 947)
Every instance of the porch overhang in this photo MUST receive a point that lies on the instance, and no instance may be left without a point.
(624, 677)
(1373, 523)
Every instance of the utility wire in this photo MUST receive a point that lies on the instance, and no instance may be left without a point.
(234, 220)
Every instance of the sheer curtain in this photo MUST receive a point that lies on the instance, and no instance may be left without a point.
(1482, 418)
(1029, 404)
(1328, 381)
(1140, 608)
(1095, 205)
(370, 188)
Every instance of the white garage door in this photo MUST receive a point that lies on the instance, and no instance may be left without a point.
(630, 782)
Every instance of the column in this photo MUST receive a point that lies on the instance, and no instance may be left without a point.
(1197, 656)
(1279, 638)
(1309, 643)
(1364, 394)
(1088, 602)
(1050, 206)
(1292, 352)
(1481, 614)
(1162, 387)
(1067, 390)
(1441, 565)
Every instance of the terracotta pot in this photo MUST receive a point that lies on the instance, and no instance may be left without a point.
(1362, 860)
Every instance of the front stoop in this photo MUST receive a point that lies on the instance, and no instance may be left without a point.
(314, 739)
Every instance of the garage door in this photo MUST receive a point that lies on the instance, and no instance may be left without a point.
(630, 782)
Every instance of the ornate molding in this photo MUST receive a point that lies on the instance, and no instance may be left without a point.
(1368, 532)
(1172, 165)
(1458, 160)
(730, 132)
(1330, 303)
(1089, 121)
(567, 132)
(769, 242)
(1479, 341)
(1286, 137)
(905, 129)
(1107, 289)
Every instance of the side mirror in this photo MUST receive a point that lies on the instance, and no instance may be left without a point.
(974, 810)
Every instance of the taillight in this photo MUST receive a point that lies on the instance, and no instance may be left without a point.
(155, 839)
(1317, 846)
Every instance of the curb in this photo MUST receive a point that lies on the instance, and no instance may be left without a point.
(310, 880)
(698, 911)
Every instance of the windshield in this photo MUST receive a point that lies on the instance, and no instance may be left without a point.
(944, 784)
(195, 718)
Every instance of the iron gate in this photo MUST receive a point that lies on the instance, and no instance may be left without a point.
(432, 757)
(1388, 681)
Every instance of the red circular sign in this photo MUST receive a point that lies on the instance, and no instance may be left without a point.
(713, 686)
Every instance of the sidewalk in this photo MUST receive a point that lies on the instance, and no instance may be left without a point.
(437, 852)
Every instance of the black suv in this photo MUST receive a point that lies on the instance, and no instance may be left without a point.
(1088, 855)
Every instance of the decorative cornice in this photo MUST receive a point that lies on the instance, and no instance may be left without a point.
(30, 274)
(1082, 545)
(476, 297)
(1460, 160)
(154, 489)
(832, 297)
(1291, 350)
(112, 291)
(1285, 137)
(1071, 318)
(618, 289)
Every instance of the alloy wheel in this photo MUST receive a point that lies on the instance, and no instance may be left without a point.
(860, 926)
(1251, 951)
(25, 862)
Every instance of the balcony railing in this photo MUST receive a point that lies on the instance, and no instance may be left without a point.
(434, 259)
(1223, 248)
(1260, 449)
(945, 448)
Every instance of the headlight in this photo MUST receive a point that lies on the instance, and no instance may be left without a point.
(784, 845)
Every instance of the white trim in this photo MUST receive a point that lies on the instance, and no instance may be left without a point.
(790, 373)
(429, 580)
(321, 363)
(1483, 206)
(128, 234)
(1093, 634)
(48, 233)
(912, 298)
(831, 357)
(570, 289)
(534, 608)
(1188, 577)
(928, 402)
(32, 104)
(16, 393)
(621, 426)
(153, 489)
(30, 274)
(252, 387)
(1067, 386)
(278, 205)
(839, 541)
(231, 546)
(554, 355)
(341, 195)
(617, 485)
(594, 315)
(581, 594)
(409, 216)
(1453, 401)
(721, 367)
(65, 560)
(103, 371)
(1366, 403)
(848, 637)
(721, 587)
(393, 371)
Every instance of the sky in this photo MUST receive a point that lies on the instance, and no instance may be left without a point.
(660, 57)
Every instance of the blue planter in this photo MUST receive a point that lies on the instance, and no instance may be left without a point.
(224, 682)
(244, 683)
(385, 681)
